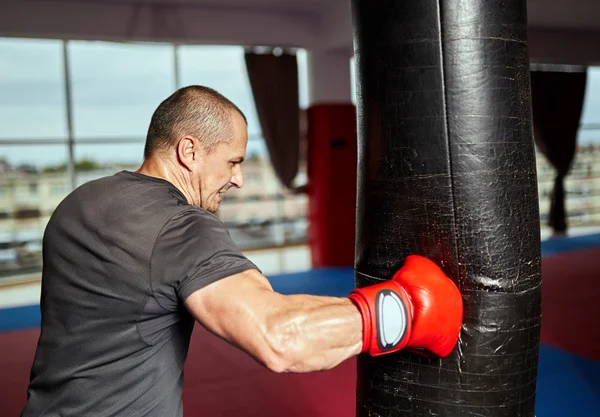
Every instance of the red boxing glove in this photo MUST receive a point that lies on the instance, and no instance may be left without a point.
(419, 309)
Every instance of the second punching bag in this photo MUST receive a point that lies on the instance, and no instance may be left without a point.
(447, 170)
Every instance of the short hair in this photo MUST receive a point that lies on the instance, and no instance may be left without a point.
(193, 110)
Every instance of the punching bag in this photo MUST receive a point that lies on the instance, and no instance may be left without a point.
(447, 170)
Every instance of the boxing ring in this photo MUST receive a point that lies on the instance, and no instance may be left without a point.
(222, 381)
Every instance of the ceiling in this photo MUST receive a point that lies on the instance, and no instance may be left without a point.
(559, 30)
(577, 14)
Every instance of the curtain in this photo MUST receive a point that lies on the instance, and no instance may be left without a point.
(557, 101)
(274, 83)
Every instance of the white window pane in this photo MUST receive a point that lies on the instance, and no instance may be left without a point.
(302, 78)
(591, 106)
(117, 86)
(32, 95)
(353, 80)
(590, 116)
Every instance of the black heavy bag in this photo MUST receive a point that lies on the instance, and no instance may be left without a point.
(447, 170)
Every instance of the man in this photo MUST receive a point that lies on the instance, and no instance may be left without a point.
(132, 260)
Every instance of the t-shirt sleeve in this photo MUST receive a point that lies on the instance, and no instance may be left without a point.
(194, 250)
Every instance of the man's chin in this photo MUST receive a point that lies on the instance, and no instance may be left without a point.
(212, 206)
(213, 209)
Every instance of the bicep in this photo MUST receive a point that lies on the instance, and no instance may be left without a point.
(236, 309)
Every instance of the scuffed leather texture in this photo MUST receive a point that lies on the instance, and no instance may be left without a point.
(447, 170)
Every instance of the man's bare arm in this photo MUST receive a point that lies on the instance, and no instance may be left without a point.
(286, 333)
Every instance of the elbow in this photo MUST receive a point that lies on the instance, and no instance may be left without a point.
(277, 364)
(283, 353)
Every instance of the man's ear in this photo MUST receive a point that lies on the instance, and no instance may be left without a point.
(187, 152)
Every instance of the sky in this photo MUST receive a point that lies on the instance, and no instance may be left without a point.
(116, 87)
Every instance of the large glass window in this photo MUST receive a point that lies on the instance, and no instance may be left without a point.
(114, 89)
(87, 105)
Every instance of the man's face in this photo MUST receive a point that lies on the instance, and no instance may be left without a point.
(221, 169)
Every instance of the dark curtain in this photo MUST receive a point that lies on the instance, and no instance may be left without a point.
(557, 101)
(274, 83)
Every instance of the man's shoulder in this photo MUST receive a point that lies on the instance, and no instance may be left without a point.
(133, 187)
(99, 186)
(126, 196)
(197, 220)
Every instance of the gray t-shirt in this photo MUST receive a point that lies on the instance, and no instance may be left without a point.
(120, 255)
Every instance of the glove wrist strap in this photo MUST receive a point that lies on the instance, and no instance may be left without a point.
(386, 315)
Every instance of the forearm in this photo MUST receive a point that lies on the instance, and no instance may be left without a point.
(311, 333)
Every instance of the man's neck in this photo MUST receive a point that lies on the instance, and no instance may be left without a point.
(164, 169)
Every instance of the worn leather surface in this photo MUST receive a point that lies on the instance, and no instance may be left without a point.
(447, 170)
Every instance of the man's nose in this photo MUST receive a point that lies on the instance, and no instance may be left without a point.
(237, 179)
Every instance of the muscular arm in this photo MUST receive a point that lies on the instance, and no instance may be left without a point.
(286, 333)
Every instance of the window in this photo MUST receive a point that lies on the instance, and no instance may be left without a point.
(33, 135)
(114, 89)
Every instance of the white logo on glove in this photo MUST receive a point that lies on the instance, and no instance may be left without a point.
(391, 319)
